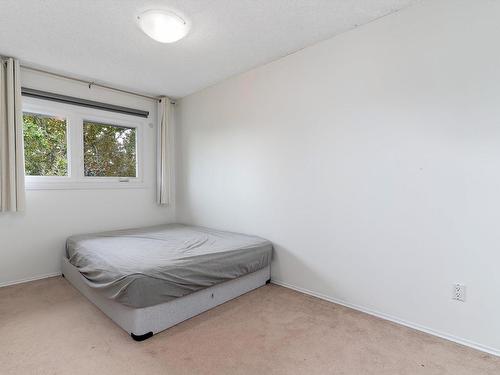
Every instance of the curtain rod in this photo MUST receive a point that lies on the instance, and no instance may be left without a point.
(33, 93)
(92, 83)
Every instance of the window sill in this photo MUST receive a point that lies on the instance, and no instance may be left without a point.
(68, 185)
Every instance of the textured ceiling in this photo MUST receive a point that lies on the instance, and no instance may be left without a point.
(99, 39)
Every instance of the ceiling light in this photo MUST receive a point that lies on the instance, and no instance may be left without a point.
(163, 26)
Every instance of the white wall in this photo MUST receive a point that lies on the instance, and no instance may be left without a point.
(32, 242)
(371, 160)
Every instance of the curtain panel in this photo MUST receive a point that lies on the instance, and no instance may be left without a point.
(165, 118)
(12, 194)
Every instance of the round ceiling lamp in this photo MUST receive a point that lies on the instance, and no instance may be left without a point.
(163, 26)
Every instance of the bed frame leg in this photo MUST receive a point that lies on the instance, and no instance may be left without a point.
(268, 281)
(142, 337)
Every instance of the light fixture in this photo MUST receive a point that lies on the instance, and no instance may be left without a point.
(163, 26)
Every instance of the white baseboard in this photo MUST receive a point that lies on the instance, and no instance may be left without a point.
(28, 279)
(393, 319)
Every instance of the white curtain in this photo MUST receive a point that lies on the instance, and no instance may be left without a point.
(12, 197)
(165, 118)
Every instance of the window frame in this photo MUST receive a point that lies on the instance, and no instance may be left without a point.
(75, 116)
(50, 113)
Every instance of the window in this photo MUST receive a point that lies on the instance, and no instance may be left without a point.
(68, 147)
(45, 145)
(109, 150)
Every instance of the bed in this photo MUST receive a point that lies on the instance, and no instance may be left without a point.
(149, 279)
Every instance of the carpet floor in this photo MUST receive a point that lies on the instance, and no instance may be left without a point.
(47, 327)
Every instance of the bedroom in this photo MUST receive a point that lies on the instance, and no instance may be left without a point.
(359, 138)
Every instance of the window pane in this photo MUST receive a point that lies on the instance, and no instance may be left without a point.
(45, 145)
(109, 150)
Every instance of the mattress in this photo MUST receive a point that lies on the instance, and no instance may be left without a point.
(146, 266)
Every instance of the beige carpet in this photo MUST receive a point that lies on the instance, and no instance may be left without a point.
(47, 327)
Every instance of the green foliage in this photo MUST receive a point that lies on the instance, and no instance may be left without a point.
(109, 151)
(45, 145)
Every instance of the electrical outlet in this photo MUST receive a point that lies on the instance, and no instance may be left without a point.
(459, 292)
